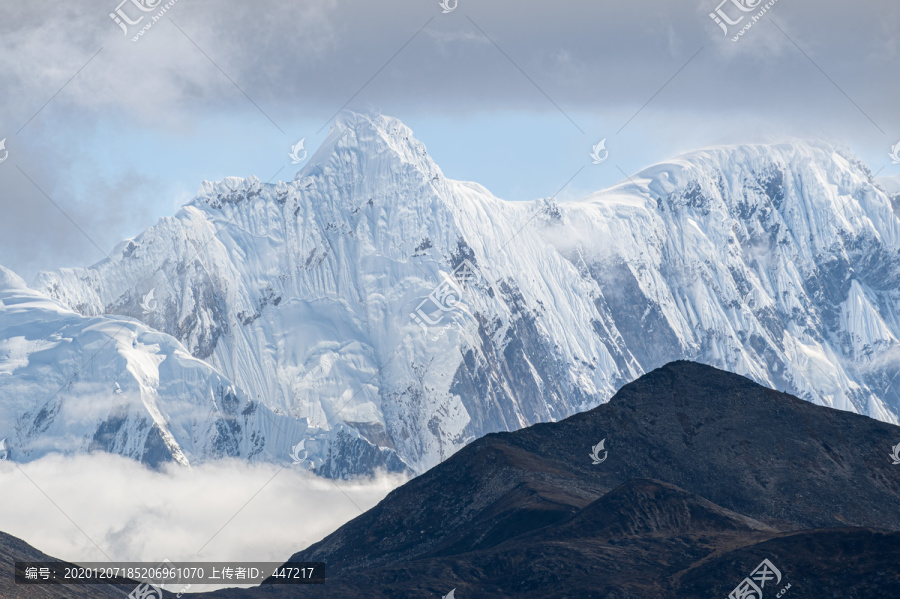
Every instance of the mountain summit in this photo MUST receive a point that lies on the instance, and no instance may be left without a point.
(415, 313)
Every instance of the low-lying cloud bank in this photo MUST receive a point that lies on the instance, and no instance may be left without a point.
(99, 506)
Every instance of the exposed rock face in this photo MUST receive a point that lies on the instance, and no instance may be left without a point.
(707, 475)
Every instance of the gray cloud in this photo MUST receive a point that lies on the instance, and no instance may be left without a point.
(42, 202)
(313, 56)
(302, 61)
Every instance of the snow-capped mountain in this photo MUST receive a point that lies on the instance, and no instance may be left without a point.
(891, 185)
(339, 298)
(71, 383)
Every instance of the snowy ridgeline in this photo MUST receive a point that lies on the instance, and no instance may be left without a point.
(386, 316)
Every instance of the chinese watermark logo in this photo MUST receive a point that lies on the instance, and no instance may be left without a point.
(895, 153)
(149, 303)
(173, 569)
(449, 6)
(723, 20)
(752, 586)
(123, 20)
(896, 455)
(595, 453)
(6, 152)
(600, 153)
(446, 297)
(298, 452)
(730, 13)
(146, 591)
(167, 570)
(295, 156)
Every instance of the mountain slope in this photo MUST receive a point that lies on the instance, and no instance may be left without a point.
(314, 296)
(763, 454)
(529, 513)
(72, 383)
(14, 550)
(780, 262)
(707, 475)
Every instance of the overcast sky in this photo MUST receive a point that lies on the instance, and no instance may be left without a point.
(106, 135)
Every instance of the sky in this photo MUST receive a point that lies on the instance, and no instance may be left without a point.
(106, 135)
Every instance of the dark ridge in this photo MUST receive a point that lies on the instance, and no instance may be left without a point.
(14, 550)
(703, 475)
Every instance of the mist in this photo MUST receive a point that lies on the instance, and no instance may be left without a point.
(96, 507)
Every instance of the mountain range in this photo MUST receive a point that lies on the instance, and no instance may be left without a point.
(372, 314)
(705, 475)
(707, 483)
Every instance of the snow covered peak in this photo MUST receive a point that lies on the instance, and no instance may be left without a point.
(10, 280)
(798, 198)
(326, 298)
(361, 158)
(735, 162)
(367, 145)
(230, 190)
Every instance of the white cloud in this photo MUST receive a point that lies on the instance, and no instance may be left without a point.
(136, 514)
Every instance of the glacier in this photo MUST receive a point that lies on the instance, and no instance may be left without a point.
(76, 384)
(331, 304)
